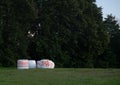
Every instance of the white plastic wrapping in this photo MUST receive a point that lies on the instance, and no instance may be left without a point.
(32, 64)
(45, 63)
(23, 64)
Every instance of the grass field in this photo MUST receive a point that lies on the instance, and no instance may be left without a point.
(59, 76)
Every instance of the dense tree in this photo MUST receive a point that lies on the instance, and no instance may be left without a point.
(113, 29)
(71, 32)
(15, 24)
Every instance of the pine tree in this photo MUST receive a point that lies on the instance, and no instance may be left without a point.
(113, 29)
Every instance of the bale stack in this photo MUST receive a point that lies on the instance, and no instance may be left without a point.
(29, 64)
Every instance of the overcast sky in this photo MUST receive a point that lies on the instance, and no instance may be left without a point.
(110, 7)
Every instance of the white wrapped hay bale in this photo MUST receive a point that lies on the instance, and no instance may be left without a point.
(23, 64)
(45, 63)
(32, 64)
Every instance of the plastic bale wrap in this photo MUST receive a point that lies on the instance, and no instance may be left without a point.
(32, 64)
(22, 64)
(45, 63)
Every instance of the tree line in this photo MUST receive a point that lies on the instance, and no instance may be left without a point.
(72, 33)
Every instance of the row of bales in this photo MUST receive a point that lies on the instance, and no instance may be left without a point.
(28, 64)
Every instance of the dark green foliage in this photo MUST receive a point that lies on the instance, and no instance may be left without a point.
(106, 60)
(69, 32)
(114, 32)
(15, 21)
(72, 32)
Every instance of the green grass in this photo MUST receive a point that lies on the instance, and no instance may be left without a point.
(59, 76)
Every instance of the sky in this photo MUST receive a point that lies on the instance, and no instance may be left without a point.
(110, 7)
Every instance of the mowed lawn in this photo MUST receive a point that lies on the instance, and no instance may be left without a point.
(60, 76)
